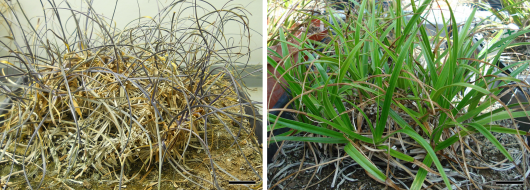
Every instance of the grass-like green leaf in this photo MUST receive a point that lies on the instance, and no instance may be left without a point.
(364, 162)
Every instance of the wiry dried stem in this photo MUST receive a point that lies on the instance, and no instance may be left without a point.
(90, 97)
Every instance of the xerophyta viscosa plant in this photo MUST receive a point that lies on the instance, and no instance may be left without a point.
(159, 101)
(382, 87)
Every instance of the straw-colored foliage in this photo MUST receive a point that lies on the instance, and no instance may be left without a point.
(113, 102)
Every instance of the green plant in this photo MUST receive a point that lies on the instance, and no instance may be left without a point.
(518, 10)
(371, 61)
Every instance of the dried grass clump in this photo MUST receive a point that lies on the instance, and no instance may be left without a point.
(114, 102)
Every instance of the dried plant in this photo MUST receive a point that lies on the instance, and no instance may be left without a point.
(88, 97)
